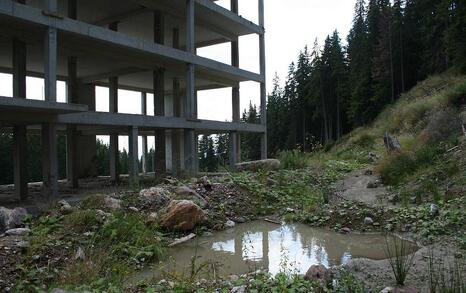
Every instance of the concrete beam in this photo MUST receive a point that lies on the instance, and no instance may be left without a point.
(133, 157)
(112, 42)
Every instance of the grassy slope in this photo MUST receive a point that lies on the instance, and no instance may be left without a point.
(299, 192)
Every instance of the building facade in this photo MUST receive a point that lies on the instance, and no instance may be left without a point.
(148, 46)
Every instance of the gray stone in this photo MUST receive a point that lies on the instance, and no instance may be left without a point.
(345, 230)
(157, 196)
(80, 255)
(238, 289)
(373, 184)
(391, 143)
(434, 210)
(254, 166)
(230, 224)
(185, 193)
(112, 203)
(368, 221)
(65, 207)
(18, 232)
(239, 220)
(133, 209)
(23, 244)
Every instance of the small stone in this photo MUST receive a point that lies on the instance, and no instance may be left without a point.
(345, 230)
(112, 203)
(80, 255)
(290, 210)
(368, 172)
(207, 234)
(35, 257)
(234, 278)
(205, 182)
(239, 220)
(18, 232)
(238, 289)
(368, 221)
(230, 224)
(373, 184)
(156, 196)
(434, 210)
(23, 244)
(317, 273)
(65, 207)
(133, 209)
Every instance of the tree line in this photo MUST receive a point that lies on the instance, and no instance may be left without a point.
(334, 88)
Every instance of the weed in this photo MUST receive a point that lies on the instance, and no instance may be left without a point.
(82, 221)
(446, 278)
(293, 160)
(400, 258)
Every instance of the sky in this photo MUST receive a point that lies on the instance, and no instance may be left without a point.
(290, 25)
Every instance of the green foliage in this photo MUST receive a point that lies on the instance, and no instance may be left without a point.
(396, 167)
(294, 159)
(446, 276)
(127, 237)
(82, 221)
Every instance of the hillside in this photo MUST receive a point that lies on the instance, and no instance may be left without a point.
(354, 186)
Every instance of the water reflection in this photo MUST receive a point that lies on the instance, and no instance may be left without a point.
(290, 248)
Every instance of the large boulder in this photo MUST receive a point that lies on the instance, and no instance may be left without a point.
(318, 273)
(182, 215)
(185, 193)
(10, 219)
(154, 196)
(254, 166)
(112, 203)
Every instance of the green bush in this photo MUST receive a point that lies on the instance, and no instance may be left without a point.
(396, 167)
(81, 221)
(293, 160)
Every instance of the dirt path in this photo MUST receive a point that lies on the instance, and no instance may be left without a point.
(362, 186)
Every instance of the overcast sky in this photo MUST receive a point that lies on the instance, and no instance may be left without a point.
(290, 25)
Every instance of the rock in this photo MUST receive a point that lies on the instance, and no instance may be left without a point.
(317, 273)
(156, 196)
(254, 166)
(290, 210)
(152, 218)
(102, 216)
(238, 289)
(10, 219)
(170, 181)
(233, 278)
(239, 220)
(23, 244)
(368, 172)
(134, 209)
(229, 224)
(80, 255)
(393, 198)
(434, 210)
(371, 157)
(65, 207)
(345, 230)
(18, 232)
(205, 182)
(182, 215)
(398, 290)
(391, 143)
(368, 221)
(374, 184)
(112, 203)
(185, 193)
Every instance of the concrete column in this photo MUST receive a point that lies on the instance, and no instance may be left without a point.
(159, 98)
(71, 130)
(114, 148)
(190, 151)
(159, 104)
(263, 90)
(176, 134)
(235, 140)
(133, 157)
(19, 131)
(144, 137)
(49, 130)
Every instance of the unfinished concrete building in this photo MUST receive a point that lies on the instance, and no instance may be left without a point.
(148, 46)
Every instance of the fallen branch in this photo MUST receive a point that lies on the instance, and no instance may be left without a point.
(272, 221)
(182, 240)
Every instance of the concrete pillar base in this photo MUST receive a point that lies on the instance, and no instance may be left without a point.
(20, 162)
(133, 158)
(49, 161)
(114, 159)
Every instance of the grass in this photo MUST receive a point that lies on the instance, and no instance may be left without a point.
(446, 277)
(400, 258)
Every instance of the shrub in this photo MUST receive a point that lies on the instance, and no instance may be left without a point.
(442, 125)
(400, 258)
(82, 220)
(293, 160)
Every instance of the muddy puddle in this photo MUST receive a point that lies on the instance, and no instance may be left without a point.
(257, 245)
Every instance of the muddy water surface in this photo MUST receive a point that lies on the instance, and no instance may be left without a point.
(261, 245)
